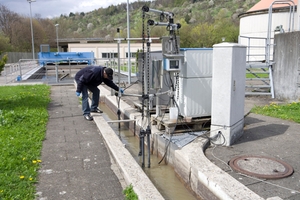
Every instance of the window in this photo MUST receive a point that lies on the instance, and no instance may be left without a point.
(109, 55)
(132, 55)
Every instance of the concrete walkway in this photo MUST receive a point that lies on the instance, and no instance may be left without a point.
(75, 161)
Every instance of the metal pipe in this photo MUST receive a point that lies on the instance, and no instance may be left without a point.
(128, 42)
(147, 9)
(142, 143)
(154, 38)
(175, 26)
(70, 68)
(133, 95)
(56, 25)
(148, 132)
(56, 72)
(121, 120)
(118, 30)
(143, 151)
(134, 127)
(32, 41)
(20, 68)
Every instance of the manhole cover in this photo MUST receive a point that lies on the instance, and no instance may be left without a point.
(261, 167)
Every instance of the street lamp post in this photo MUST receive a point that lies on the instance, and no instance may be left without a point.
(128, 42)
(32, 41)
(56, 25)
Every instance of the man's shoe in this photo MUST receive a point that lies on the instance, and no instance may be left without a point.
(88, 117)
(97, 111)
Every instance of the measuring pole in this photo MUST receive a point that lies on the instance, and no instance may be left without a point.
(119, 94)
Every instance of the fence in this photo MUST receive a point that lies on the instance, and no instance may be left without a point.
(257, 48)
(14, 57)
(29, 69)
(20, 70)
(113, 63)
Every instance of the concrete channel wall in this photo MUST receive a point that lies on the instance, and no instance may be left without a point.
(203, 177)
(286, 71)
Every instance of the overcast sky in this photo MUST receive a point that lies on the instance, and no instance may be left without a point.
(54, 8)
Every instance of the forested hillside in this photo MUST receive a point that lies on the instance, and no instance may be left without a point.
(203, 23)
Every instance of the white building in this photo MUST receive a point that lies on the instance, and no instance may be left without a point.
(259, 24)
(110, 50)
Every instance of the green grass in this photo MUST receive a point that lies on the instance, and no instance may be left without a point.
(290, 111)
(125, 68)
(23, 120)
(129, 193)
(260, 75)
(258, 72)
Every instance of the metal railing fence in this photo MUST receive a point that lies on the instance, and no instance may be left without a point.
(29, 69)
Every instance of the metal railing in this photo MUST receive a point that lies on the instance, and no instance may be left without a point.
(55, 71)
(257, 48)
(19, 71)
(124, 67)
(259, 78)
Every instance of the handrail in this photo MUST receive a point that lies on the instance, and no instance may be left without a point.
(292, 12)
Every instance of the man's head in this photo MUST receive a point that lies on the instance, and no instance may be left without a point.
(108, 73)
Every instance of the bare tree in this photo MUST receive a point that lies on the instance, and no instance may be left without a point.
(49, 36)
(7, 20)
(22, 34)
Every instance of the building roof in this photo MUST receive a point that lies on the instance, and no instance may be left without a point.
(265, 4)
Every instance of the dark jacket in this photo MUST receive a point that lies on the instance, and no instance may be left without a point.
(93, 76)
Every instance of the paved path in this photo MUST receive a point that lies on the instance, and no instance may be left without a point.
(267, 137)
(75, 160)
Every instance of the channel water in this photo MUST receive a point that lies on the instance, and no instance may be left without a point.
(161, 175)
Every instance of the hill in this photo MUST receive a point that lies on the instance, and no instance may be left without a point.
(195, 16)
(203, 23)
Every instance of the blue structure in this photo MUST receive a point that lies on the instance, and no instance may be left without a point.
(66, 58)
(47, 57)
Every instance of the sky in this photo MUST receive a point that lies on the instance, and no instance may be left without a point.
(54, 8)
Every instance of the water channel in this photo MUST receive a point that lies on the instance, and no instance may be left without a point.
(161, 175)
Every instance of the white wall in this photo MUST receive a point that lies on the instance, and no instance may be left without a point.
(99, 48)
(257, 25)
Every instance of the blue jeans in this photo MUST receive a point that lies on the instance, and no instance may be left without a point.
(86, 109)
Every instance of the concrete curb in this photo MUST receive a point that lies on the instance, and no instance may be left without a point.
(131, 171)
(204, 178)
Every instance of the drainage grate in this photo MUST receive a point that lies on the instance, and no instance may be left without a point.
(261, 167)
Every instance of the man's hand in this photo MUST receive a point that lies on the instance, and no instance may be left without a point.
(78, 94)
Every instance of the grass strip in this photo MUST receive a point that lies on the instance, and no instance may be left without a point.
(23, 120)
(289, 111)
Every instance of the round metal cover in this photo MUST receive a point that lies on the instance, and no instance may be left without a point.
(261, 167)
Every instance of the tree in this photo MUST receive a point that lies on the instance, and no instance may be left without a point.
(21, 37)
(3, 62)
(226, 29)
(202, 35)
(49, 31)
(4, 43)
(7, 21)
